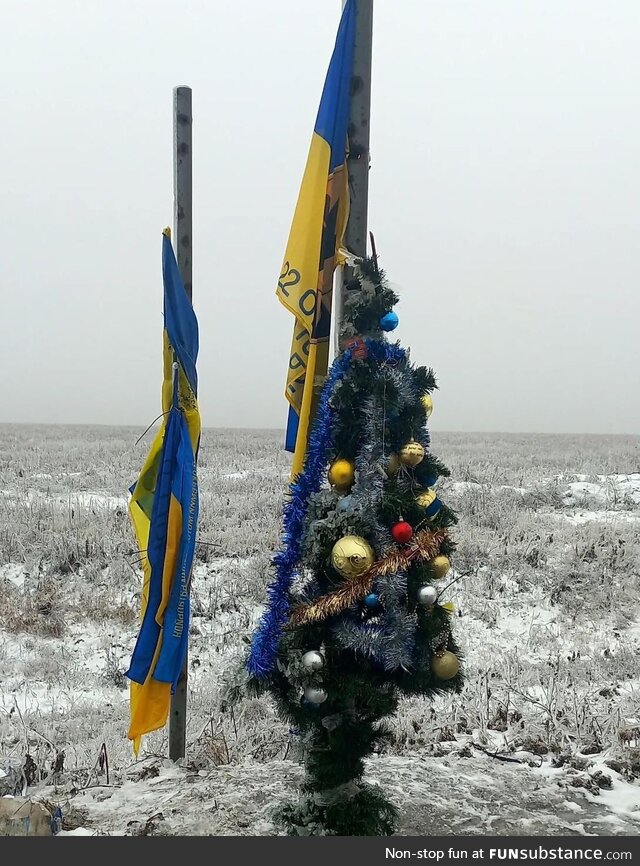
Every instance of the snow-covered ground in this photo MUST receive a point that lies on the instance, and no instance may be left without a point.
(547, 611)
(449, 795)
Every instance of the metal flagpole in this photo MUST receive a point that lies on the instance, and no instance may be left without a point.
(358, 161)
(182, 227)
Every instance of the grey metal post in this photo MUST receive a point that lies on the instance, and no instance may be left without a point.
(358, 162)
(182, 228)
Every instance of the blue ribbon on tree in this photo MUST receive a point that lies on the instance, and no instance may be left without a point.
(266, 638)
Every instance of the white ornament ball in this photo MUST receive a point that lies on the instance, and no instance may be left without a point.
(428, 595)
(314, 695)
(313, 660)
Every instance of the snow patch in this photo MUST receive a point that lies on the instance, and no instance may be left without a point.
(13, 572)
(97, 500)
(77, 499)
(606, 489)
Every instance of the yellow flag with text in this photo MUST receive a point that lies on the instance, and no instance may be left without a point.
(305, 286)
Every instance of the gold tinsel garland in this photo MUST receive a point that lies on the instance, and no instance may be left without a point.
(424, 545)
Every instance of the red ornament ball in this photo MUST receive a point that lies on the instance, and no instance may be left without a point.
(402, 532)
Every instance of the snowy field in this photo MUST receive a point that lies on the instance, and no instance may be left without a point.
(544, 739)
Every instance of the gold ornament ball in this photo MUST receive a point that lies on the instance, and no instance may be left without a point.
(341, 474)
(352, 555)
(445, 666)
(412, 453)
(393, 465)
(425, 498)
(427, 402)
(439, 567)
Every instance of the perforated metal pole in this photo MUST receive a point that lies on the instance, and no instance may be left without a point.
(182, 226)
(358, 162)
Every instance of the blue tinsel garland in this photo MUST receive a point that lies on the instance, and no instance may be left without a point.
(266, 639)
(385, 353)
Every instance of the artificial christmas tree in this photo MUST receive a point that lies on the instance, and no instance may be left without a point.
(354, 620)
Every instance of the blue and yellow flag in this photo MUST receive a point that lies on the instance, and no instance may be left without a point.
(164, 513)
(305, 286)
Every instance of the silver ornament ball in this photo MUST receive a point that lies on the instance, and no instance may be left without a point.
(427, 595)
(314, 695)
(313, 660)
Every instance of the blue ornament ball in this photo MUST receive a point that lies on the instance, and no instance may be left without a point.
(346, 503)
(372, 599)
(389, 322)
(434, 508)
(430, 481)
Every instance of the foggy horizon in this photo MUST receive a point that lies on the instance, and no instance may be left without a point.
(504, 198)
(144, 433)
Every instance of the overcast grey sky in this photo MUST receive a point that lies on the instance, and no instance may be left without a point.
(505, 200)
